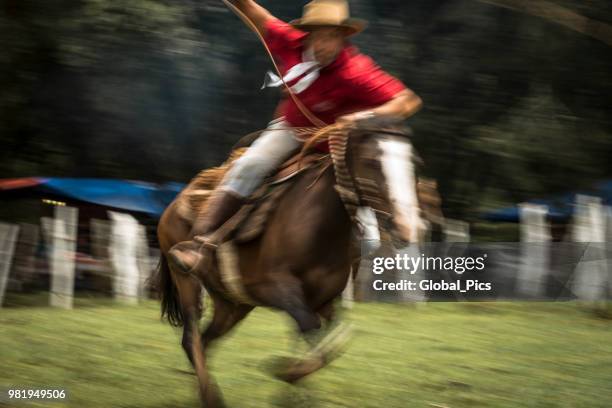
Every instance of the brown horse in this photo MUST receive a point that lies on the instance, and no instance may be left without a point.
(301, 262)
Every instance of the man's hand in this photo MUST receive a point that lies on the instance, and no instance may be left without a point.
(402, 106)
(352, 118)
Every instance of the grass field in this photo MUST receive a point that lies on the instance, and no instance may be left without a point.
(434, 355)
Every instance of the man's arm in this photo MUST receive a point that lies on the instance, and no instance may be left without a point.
(256, 13)
(403, 105)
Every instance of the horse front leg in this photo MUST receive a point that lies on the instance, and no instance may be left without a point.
(286, 293)
(189, 292)
(225, 317)
(325, 344)
(333, 339)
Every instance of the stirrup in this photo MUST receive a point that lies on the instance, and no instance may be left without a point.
(177, 256)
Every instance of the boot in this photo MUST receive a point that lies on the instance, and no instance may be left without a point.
(221, 207)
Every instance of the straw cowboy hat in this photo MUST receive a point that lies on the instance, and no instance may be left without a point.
(329, 13)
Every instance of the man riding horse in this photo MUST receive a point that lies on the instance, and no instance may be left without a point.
(328, 76)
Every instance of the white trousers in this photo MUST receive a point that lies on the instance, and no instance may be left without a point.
(270, 150)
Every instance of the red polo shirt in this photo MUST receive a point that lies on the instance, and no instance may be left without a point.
(352, 83)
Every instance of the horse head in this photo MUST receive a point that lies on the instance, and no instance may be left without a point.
(382, 163)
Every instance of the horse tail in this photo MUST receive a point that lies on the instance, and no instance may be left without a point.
(168, 294)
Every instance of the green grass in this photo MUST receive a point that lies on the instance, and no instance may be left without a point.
(434, 355)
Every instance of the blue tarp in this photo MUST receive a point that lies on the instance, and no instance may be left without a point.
(560, 208)
(129, 195)
(153, 198)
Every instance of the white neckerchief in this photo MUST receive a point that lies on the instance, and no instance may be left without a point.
(308, 64)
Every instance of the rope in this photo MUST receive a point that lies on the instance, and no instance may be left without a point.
(338, 137)
(345, 185)
(305, 111)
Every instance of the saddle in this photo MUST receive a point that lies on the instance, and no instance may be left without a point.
(295, 165)
(265, 200)
(250, 222)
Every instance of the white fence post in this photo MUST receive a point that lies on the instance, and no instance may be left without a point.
(591, 274)
(8, 239)
(62, 259)
(535, 249)
(125, 248)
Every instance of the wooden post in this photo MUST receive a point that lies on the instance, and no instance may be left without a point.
(8, 239)
(123, 252)
(535, 250)
(591, 274)
(62, 256)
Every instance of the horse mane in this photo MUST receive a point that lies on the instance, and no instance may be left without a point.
(426, 189)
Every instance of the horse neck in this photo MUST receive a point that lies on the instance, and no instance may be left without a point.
(310, 225)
